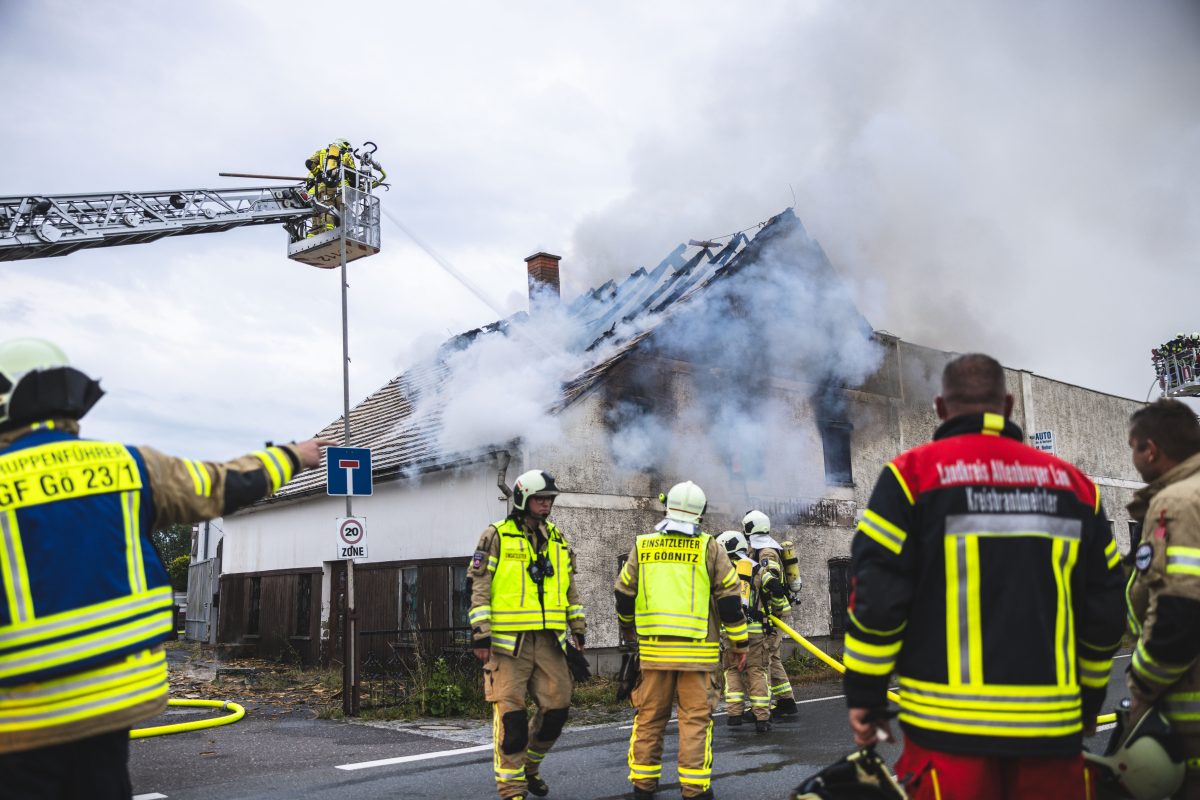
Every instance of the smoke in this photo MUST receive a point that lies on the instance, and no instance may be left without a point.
(767, 349)
(502, 381)
(1000, 175)
(762, 345)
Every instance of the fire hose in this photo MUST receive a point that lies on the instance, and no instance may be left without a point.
(837, 665)
(236, 713)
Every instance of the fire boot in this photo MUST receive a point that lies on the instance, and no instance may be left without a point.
(642, 794)
(536, 785)
(734, 720)
(762, 726)
(786, 707)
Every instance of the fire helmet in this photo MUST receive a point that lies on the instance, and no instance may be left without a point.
(686, 503)
(733, 542)
(1147, 763)
(756, 522)
(343, 143)
(38, 382)
(534, 483)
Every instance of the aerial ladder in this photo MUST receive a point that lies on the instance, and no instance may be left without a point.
(1177, 365)
(43, 226)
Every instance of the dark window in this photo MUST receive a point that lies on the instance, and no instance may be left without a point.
(835, 443)
(839, 596)
(1135, 533)
(409, 601)
(303, 603)
(1112, 528)
(255, 606)
(460, 603)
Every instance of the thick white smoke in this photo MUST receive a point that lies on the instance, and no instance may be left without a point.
(765, 342)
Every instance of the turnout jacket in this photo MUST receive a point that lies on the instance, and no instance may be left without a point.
(1164, 596)
(505, 601)
(675, 578)
(85, 600)
(984, 574)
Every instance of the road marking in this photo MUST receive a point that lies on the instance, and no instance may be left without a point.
(383, 762)
(151, 796)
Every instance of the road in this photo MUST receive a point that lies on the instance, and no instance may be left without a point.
(290, 755)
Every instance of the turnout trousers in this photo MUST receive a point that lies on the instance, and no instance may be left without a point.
(936, 775)
(781, 684)
(654, 695)
(750, 690)
(538, 669)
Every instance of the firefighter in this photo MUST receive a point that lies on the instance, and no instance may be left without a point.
(767, 553)
(736, 547)
(1164, 588)
(523, 603)
(86, 602)
(985, 576)
(673, 592)
(323, 184)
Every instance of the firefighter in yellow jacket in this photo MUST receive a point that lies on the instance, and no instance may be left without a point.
(736, 705)
(85, 601)
(323, 181)
(523, 602)
(1164, 589)
(675, 591)
(772, 596)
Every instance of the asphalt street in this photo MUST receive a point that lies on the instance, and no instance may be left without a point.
(290, 755)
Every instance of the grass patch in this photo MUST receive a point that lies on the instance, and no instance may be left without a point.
(808, 669)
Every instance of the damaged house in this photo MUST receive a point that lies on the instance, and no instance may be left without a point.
(743, 366)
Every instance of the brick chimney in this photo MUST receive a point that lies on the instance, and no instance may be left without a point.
(543, 277)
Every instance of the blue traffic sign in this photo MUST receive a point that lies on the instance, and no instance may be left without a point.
(348, 471)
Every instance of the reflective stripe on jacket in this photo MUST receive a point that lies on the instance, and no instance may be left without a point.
(82, 580)
(674, 593)
(518, 602)
(985, 576)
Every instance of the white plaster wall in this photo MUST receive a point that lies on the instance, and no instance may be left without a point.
(604, 508)
(438, 517)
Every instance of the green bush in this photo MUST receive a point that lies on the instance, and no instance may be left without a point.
(444, 695)
(177, 570)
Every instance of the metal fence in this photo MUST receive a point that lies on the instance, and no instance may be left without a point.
(396, 665)
(201, 620)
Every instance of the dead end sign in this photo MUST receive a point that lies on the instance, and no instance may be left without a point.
(352, 537)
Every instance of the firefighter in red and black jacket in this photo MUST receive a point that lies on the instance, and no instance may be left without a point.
(984, 575)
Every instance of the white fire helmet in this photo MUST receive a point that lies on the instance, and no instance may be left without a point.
(534, 483)
(756, 522)
(733, 542)
(38, 382)
(1147, 763)
(686, 503)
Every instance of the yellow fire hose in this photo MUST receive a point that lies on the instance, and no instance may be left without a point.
(236, 713)
(837, 665)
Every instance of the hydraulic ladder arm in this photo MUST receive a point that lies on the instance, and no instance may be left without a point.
(43, 226)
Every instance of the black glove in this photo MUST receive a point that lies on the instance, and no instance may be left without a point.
(627, 678)
(578, 665)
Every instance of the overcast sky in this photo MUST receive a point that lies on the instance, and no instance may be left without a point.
(1014, 177)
